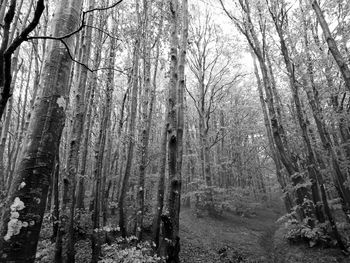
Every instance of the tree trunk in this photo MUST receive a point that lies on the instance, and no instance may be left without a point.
(161, 186)
(28, 193)
(171, 242)
(163, 143)
(287, 199)
(119, 150)
(90, 98)
(77, 130)
(145, 121)
(132, 124)
(314, 101)
(99, 152)
(180, 102)
(313, 171)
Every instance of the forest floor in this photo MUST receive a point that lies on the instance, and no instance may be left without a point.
(233, 238)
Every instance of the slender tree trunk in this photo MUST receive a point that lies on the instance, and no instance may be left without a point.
(313, 171)
(90, 99)
(131, 128)
(330, 216)
(145, 120)
(4, 135)
(2, 10)
(287, 199)
(339, 177)
(119, 149)
(163, 143)
(74, 144)
(99, 152)
(161, 186)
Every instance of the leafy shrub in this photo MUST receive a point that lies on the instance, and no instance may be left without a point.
(125, 252)
(236, 200)
(45, 251)
(300, 232)
(46, 228)
(82, 224)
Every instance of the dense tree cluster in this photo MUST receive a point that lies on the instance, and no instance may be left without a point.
(114, 114)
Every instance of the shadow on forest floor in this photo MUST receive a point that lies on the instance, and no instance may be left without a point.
(232, 239)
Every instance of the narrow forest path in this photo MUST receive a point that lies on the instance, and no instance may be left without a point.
(235, 239)
(228, 239)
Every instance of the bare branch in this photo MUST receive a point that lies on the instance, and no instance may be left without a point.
(82, 23)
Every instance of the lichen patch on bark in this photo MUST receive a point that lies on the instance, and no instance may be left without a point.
(14, 225)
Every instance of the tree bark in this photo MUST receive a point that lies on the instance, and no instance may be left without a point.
(77, 131)
(171, 242)
(145, 121)
(90, 98)
(26, 204)
(161, 186)
(132, 124)
(100, 149)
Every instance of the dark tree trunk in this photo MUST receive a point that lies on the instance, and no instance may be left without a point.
(28, 193)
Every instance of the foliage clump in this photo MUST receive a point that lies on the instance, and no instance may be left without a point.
(124, 251)
(235, 200)
(298, 232)
(319, 234)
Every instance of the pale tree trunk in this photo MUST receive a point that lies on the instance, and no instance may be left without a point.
(158, 208)
(131, 130)
(22, 129)
(90, 98)
(161, 186)
(77, 131)
(99, 152)
(28, 193)
(145, 121)
(108, 127)
(119, 150)
(2, 10)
